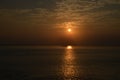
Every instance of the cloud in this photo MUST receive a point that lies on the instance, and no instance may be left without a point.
(88, 11)
(76, 12)
(27, 17)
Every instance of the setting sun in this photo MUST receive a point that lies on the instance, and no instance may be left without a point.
(69, 47)
(69, 30)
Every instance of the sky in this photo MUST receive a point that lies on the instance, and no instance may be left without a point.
(45, 22)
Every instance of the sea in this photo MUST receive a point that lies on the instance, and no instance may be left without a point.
(59, 63)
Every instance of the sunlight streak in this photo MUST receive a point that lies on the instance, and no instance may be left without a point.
(69, 69)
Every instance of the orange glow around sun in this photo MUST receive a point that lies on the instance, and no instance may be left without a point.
(69, 30)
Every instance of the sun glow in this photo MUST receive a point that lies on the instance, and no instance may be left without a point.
(69, 30)
(69, 47)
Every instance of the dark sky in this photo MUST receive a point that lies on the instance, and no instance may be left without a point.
(93, 22)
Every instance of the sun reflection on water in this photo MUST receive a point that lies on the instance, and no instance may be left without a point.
(69, 69)
(69, 47)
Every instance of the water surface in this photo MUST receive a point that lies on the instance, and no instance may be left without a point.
(59, 63)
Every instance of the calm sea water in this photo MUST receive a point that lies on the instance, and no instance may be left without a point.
(59, 63)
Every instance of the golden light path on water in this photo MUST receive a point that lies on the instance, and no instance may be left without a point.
(69, 69)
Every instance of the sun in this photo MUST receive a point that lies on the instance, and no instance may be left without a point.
(69, 30)
(69, 47)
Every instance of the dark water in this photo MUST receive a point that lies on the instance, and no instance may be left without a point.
(59, 63)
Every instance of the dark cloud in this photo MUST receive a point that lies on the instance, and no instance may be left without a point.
(26, 4)
(86, 11)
